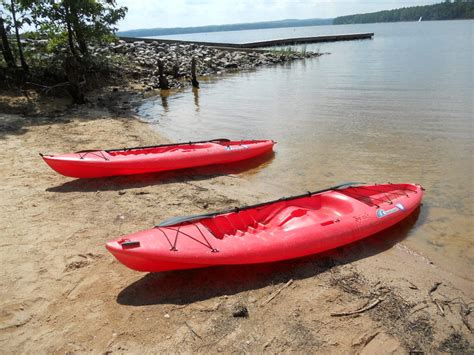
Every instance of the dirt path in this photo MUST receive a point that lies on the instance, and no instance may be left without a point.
(63, 292)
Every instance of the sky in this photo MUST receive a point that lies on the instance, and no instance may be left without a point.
(187, 13)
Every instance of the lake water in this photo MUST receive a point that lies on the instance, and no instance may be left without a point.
(396, 108)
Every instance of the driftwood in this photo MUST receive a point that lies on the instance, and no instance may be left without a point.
(277, 292)
(361, 310)
(194, 81)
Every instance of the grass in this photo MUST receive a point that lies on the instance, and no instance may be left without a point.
(292, 50)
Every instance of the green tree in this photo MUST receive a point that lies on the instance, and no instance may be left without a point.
(5, 43)
(76, 22)
(17, 24)
(13, 16)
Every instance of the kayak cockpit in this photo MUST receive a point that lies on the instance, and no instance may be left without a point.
(315, 210)
(183, 148)
(160, 150)
(286, 215)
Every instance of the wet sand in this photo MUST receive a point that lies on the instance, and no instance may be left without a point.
(63, 292)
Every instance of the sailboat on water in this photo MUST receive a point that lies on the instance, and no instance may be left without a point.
(421, 17)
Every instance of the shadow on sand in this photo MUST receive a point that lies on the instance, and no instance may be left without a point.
(116, 183)
(188, 286)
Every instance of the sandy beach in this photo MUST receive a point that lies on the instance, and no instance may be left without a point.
(63, 292)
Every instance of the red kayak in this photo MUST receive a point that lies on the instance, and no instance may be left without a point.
(283, 229)
(141, 160)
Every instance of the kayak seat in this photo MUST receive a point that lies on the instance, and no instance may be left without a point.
(336, 205)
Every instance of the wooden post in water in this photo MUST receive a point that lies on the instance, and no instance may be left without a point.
(163, 82)
(193, 74)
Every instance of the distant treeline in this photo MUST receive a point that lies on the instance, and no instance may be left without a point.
(217, 28)
(444, 11)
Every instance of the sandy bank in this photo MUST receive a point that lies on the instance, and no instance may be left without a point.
(63, 292)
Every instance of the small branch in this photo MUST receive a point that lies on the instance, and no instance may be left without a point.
(419, 309)
(434, 288)
(439, 307)
(277, 292)
(192, 330)
(39, 85)
(369, 339)
(213, 342)
(57, 86)
(464, 311)
(47, 89)
(361, 310)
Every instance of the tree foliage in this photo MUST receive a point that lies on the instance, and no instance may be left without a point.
(12, 17)
(460, 9)
(69, 27)
(76, 23)
(4, 41)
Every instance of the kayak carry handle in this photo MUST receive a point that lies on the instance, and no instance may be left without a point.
(182, 219)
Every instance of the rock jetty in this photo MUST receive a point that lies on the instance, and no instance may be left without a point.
(142, 58)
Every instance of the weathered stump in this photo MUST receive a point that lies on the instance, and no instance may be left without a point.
(194, 81)
(163, 81)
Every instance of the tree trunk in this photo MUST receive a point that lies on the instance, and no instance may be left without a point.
(81, 41)
(17, 33)
(76, 27)
(70, 38)
(74, 74)
(5, 46)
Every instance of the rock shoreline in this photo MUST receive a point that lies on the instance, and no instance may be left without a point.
(118, 73)
(142, 58)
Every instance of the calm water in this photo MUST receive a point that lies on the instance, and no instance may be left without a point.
(395, 108)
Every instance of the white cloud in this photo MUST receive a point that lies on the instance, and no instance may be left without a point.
(185, 13)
